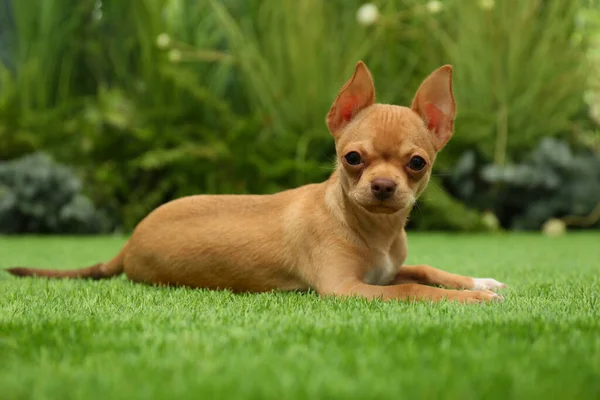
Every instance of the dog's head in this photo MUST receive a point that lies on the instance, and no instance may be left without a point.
(385, 152)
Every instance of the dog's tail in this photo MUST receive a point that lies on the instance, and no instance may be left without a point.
(98, 271)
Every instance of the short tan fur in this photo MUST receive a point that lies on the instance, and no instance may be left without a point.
(342, 237)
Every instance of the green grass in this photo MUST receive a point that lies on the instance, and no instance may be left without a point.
(117, 340)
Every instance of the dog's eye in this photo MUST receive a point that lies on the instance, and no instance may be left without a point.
(417, 163)
(353, 158)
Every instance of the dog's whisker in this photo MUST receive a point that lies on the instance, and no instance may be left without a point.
(438, 186)
(417, 207)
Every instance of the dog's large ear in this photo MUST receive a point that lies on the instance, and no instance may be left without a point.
(434, 102)
(356, 94)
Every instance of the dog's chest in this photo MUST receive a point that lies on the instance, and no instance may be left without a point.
(382, 271)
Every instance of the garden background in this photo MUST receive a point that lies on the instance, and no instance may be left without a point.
(109, 108)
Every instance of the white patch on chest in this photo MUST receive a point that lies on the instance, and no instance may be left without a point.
(382, 273)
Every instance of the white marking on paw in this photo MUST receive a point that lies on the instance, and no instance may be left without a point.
(487, 284)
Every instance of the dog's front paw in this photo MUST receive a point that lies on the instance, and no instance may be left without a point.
(487, 284)
(477, 296)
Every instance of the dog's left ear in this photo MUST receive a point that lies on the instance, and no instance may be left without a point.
(434, 102)
(357, 94)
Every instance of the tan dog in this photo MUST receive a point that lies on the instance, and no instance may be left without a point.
(341, 237)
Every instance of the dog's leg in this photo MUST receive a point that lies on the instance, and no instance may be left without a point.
(410, 291)
(427, 275)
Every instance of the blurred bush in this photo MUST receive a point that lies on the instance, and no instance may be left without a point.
(40, 196)
(156, 99)
(551, 182)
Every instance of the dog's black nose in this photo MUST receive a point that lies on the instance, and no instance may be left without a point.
(383, 189)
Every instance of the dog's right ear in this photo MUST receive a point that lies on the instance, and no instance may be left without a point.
(357, 94)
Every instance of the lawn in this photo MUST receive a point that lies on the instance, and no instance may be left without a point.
(117, 340)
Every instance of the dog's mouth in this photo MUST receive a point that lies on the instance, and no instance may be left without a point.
(391, 206)
(381, 208)
(397, 204)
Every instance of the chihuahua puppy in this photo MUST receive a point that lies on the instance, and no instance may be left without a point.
(342, 237)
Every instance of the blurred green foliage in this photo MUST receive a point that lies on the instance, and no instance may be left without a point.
(155, 99)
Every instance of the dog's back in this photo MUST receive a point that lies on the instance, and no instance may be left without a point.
(236, 242)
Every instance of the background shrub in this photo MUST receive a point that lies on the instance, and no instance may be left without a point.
(40, 196)
(551, 182)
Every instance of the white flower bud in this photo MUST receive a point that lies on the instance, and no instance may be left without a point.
(367, 14)
(174, 56)
(554, 227)
(163, 41)
(434, 7)
(487, 4)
